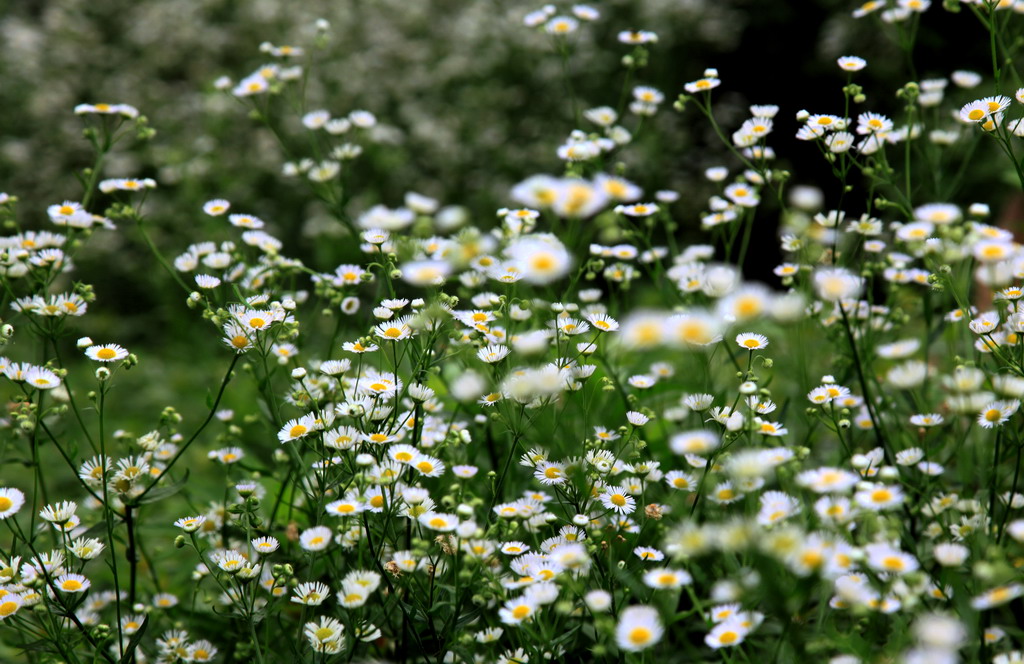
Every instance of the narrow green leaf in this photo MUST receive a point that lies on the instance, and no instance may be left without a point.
(134, 642)
(166, 491)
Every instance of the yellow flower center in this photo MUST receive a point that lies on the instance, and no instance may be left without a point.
(726, 638)
(616, 189)
(618, 499)
(881, 495)
(695, 332)
(297, 430)
(5, 503)
(543, 262)
(893, 563)
(748, 306)
(640, 635)
(520, 612)
(812, 558)
(71, 585)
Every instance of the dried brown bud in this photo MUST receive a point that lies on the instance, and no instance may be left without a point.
(653, 511)
(291, 532)
(446, 544)
(392, 568)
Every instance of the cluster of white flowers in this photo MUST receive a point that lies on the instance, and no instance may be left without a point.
(581, 430)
